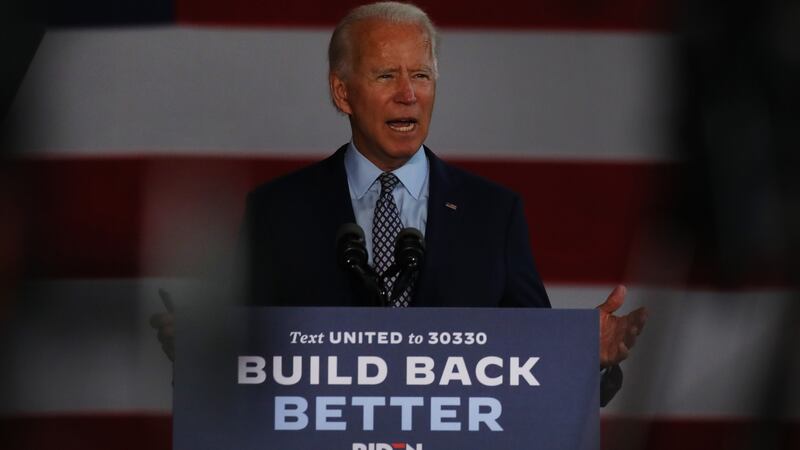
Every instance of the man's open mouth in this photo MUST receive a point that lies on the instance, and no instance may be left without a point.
(402, 125)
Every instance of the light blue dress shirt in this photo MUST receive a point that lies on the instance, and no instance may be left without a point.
(410, 195)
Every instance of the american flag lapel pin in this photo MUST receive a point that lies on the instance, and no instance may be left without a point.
(451, 206)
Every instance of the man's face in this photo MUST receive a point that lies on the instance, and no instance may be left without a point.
(389, 92)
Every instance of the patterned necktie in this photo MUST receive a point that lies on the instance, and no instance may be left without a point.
(385, 228)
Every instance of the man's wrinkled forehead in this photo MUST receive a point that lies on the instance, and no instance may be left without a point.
(366, 36)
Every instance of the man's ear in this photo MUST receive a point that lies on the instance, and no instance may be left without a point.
(339, 93)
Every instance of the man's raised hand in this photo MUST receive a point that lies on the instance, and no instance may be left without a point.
(618, 333)
(165, 324)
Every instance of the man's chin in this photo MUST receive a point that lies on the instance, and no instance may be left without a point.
(404, 154)
(405, 148)
(390, 154)
(396, 158)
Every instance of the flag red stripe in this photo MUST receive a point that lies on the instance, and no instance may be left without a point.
(548, 14)
(154, 432)
(87, 217)
(87, 432)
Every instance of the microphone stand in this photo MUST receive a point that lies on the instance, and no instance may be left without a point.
(352, 255)
(409, 253)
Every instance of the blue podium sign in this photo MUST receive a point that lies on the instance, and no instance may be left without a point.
(387, 379)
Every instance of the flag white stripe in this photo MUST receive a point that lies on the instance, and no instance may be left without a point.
(85, 346)
(525, 94)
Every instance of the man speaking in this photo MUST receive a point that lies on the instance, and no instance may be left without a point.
(383, 75)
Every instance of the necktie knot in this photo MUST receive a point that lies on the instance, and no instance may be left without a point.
(388, 182)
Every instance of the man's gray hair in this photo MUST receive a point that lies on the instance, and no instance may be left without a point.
(340, 51)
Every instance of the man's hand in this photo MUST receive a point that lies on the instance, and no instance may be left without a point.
(165, 324)
(618, 333)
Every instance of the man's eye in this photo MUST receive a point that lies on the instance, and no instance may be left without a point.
(422, 76)
(385, 76)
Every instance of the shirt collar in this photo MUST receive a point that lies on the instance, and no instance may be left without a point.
(362, 173)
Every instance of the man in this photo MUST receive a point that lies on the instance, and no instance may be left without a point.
(383, 73)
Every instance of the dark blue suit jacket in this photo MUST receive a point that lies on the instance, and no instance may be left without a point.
(477, 254)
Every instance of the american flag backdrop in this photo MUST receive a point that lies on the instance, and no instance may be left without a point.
(139, 127)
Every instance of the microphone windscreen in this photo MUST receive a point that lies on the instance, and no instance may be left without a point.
(351, 250)
(412, 236)
(349, 229)
(409, 248)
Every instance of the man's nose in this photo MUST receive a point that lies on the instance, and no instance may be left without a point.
(405, 91)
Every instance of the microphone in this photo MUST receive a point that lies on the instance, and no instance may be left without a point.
(408, 256)
(350, 248)
(409, 248)
(351, 253)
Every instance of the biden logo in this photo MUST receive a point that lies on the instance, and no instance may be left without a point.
(384, 446)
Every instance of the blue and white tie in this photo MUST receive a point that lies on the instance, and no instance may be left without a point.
(386, 226)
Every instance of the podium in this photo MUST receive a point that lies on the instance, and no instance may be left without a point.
(386, 379)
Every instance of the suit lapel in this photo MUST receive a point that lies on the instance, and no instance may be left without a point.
(335, 195)
(444, 213)
(338, 197)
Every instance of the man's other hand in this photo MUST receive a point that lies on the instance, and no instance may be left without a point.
(165, 324)
(618, 333)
